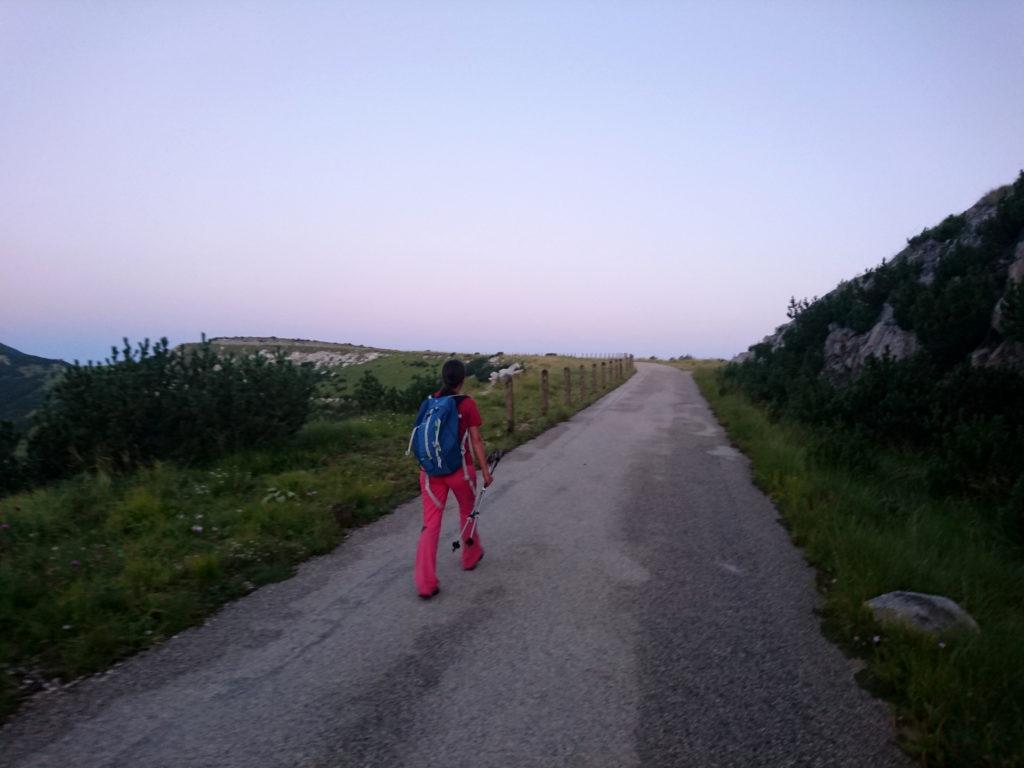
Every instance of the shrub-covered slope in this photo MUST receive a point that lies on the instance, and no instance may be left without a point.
(924, 351)
(23, 382)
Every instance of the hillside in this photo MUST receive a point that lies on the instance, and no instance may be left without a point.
(391, 367)
(887, 421)
(955, 293)
(320, 353)
(23, 382)
(924, 351)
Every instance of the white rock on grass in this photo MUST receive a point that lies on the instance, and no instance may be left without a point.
(929, 613)
(506, 373)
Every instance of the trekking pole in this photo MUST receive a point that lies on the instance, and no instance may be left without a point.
(492, 462)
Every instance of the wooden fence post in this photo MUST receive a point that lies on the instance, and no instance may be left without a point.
(510, 413)
(604, 375)
(583, 383)
(593, 377)
(544, 392)
(568, 386)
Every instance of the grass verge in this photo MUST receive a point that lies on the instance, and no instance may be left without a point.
(97, 567)
(871, 530)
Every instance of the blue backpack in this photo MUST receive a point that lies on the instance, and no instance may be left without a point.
(435, 436)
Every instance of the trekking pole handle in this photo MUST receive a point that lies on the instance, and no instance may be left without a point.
(494, 458)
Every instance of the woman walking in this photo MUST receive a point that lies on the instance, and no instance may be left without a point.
(462, 483)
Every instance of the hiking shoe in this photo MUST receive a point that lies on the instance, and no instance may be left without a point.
(474, 565)
(427, 597)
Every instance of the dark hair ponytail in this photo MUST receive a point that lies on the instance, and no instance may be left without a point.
(453, 373)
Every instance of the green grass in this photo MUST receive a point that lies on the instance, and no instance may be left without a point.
(96, 568)
(394, 369)
(874, 531)
(694, 363)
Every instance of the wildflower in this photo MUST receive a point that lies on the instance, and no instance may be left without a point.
(4, 526)
(876, 639)
(197, 529)
(76, 563)
(941, 644)
(67, 626)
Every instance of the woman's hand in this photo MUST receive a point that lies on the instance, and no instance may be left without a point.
(488, 477)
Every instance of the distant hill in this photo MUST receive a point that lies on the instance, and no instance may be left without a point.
(346, 362)
(24, 380)
(320, 353)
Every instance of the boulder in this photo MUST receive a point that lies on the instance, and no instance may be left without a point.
(929, 613)
(506, 373)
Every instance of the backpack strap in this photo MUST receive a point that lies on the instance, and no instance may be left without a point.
(463, 447)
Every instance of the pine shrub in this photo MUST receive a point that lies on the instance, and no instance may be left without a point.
(968, 420)
(154, 402)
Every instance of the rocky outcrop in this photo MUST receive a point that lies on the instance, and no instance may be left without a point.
(933, 614)
(1007, 353)
(846, 351)
(772, 341)
(1014, 275)
(928, 251)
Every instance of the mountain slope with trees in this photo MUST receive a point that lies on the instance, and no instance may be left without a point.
(924, 351)
(23, 382)
(886, 421)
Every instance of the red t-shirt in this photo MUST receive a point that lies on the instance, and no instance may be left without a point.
(469, 416)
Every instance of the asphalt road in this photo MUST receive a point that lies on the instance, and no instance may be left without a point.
(639, 605)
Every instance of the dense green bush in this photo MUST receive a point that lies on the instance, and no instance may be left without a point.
(480, 368)
(10, 467)
(949, 228)
(969, 420)
(371, 395)
(1013, 312)
(155, 402)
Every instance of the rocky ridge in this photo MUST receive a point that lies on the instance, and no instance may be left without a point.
(846, 350)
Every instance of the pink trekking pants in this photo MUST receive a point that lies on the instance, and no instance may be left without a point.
(425, 571)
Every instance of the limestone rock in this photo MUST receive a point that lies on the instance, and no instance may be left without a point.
(1014, 275)
(842, 349)
(846, 352)
(506, 373)
(888, 338)
(774, 341)
(1008, 354)
(929, 613)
